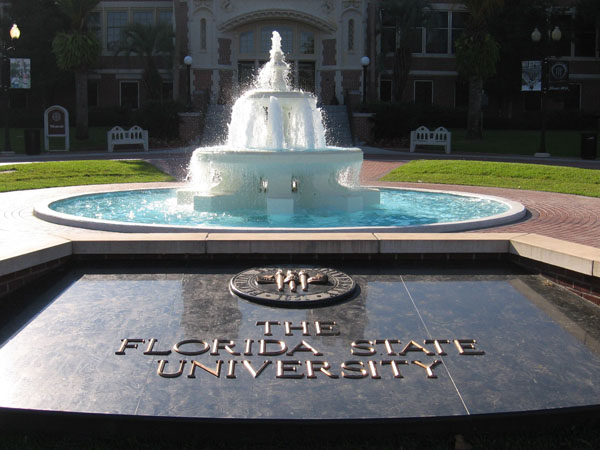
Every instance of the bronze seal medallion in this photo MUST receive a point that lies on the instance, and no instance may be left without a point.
(293, 287)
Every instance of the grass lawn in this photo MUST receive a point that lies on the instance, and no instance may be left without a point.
(535, 177)
(15, 177)
(562, 143)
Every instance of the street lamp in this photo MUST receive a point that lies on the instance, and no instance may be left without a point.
(365, 61)
(188, 62)
(7, 47)
(536, 37)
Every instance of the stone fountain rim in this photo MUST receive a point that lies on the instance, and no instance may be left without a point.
(43, 211)
(279, 153)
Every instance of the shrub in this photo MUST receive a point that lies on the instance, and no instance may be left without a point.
(161, 119)
(396, 120)
(110, 116)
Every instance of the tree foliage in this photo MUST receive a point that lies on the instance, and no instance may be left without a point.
(77, 11)
(75, 51)
(477, 53)
(148, 42)
(477, 56)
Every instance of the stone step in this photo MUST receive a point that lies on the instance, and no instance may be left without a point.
(335, 118)
(215, 125)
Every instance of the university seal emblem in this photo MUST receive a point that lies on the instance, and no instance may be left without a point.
(293, 287)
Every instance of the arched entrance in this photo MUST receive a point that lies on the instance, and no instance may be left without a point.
(301, 40)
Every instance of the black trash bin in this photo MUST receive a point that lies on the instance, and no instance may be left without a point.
(589, 142)
(32, 142)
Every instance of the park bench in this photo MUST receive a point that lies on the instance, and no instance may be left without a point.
(119, 136)
(423, 136)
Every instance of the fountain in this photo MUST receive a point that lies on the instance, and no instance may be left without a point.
(276, 159)
(275, 173)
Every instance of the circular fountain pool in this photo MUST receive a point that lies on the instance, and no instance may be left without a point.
(399, 210)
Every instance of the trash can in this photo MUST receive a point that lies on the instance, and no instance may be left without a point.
(589, 142)
(32, 142)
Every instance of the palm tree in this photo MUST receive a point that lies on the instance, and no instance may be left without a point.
(407, 15)
(148, 42)
(77, 50)
(477, 53)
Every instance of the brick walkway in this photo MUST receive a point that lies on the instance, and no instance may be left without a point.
(573, 218)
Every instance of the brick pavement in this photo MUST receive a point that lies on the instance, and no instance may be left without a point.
(573, 218)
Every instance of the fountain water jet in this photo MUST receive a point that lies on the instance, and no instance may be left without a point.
(276, 158)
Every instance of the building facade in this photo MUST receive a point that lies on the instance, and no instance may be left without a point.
(229, 40)
(324, 41)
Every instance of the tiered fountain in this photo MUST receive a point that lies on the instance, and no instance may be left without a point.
(276, 174)
(276, 159)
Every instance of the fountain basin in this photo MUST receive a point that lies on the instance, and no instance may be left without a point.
(276, 182)
(156, 210)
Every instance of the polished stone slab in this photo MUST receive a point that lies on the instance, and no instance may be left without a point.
(521, 345)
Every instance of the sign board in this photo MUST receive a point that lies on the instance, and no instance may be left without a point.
(531, 76)
(20, 73)
(56, 124)
(558, 75)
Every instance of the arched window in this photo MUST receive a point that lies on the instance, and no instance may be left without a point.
(202, 34)
(351, 35)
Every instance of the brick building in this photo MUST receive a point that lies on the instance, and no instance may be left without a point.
(324, 41)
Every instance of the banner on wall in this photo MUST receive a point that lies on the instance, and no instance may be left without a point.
(20, 73)
(531, 76)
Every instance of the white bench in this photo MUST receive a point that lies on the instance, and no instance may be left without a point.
(135, 135)
(423, 136)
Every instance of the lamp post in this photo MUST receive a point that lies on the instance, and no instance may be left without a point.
(188, 62)
(7, 47)
(365, 61)
(536, 37)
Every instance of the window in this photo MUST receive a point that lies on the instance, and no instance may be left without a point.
(247, 42)
(164, 16)
(92, 90)
(130, 94)
(287, 39)
(437, 33)
(116, 21)
(385, 88)
(351, 35)
(202, 34)
(143, 17)
(424, 92)
(307, 42)
(441, 30)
